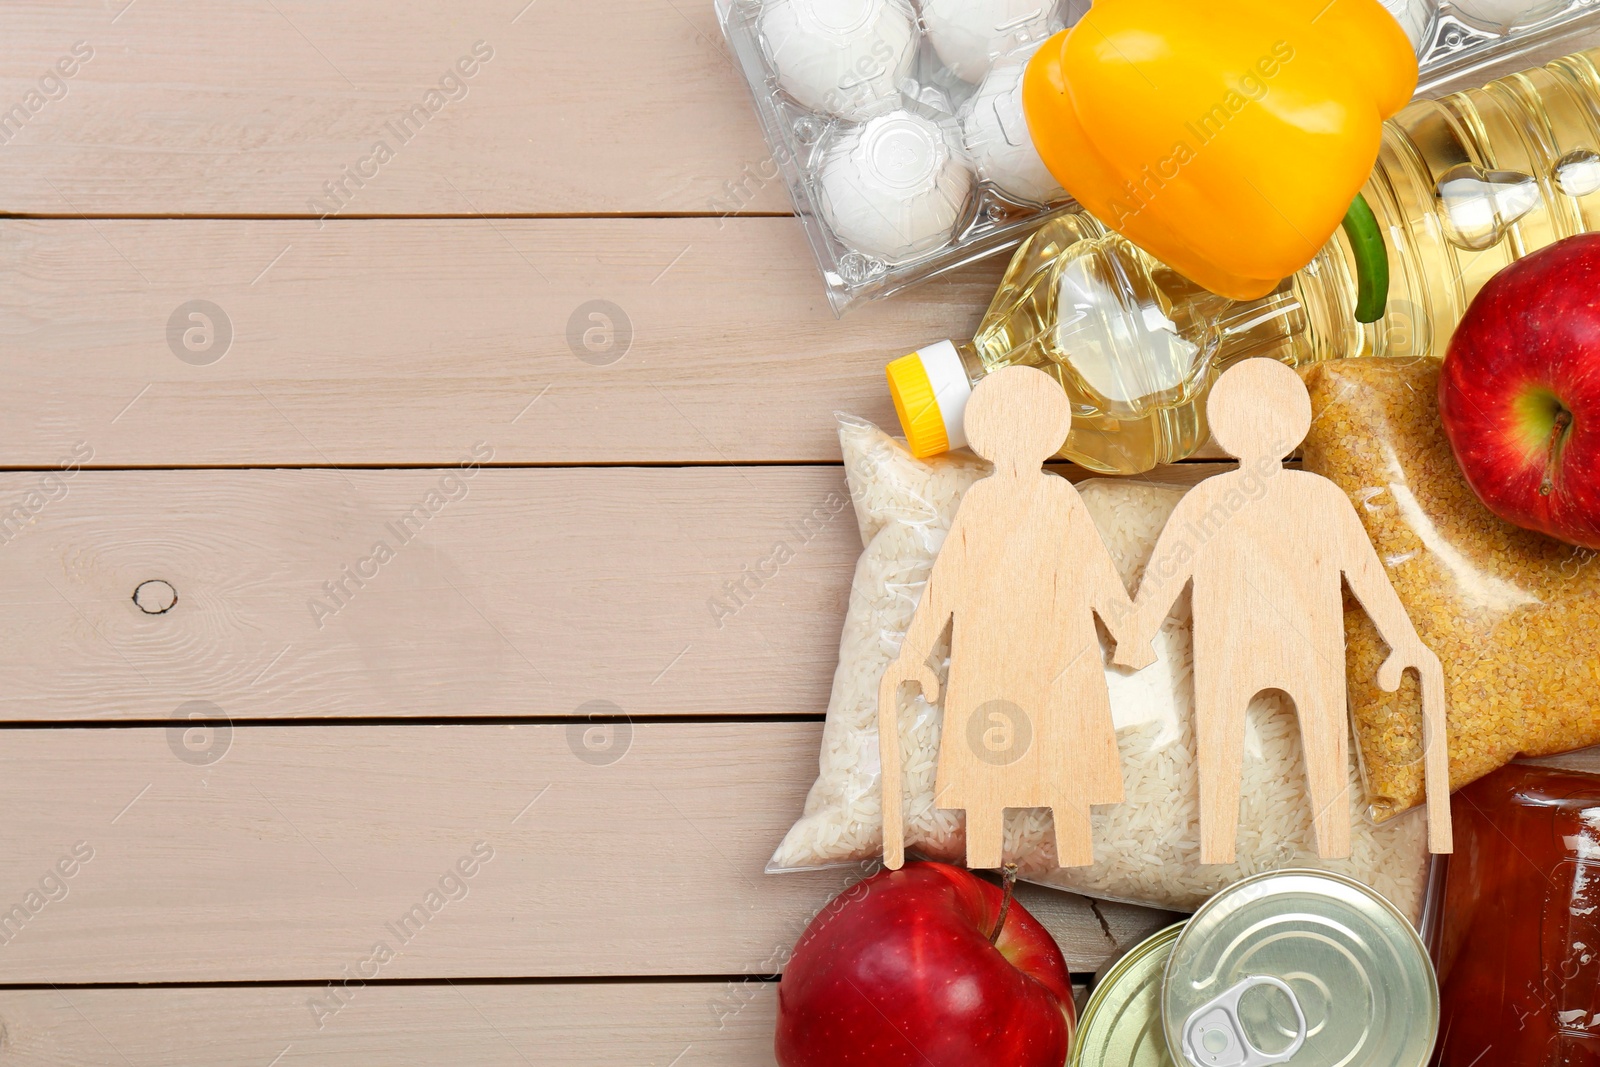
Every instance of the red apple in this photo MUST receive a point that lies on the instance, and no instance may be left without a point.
(899, 970)
(1519, 393)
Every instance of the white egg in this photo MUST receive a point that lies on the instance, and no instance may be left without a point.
(842, 57)
(1415, 17)
(894, 187)
(969, 35)
(1504, 15)
(995, 134)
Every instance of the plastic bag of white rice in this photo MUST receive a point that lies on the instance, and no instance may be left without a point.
(1147, 847)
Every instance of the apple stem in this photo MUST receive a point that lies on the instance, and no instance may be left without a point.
(1008, 888)
(1558, 433)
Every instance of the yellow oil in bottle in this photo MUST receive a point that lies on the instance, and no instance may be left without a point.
(1464, 185)
(1467, 184)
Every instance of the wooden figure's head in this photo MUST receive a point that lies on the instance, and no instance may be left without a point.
(1017, 418)
(1259, 410)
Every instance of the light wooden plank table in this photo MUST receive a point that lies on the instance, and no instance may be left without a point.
(191, 530)
(531, 688)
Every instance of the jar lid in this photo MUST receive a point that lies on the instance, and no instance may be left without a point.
(1121, 1024)
(1300, 967)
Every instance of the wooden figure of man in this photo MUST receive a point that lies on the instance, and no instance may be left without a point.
(1027, 719)
(1266, 549)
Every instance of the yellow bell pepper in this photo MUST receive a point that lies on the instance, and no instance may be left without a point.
(1227, 138)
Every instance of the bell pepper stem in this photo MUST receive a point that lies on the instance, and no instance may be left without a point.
(1372, 260)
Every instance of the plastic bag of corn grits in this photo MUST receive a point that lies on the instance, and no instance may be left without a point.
(1513, 615)
(1146, 848)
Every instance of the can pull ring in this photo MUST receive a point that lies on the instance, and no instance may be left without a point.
(1214, 1037)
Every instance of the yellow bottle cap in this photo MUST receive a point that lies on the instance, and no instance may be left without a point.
(930, 391)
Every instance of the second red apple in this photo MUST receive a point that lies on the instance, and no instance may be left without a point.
(1519, 392)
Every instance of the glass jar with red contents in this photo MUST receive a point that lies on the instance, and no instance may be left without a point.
(1518, 948)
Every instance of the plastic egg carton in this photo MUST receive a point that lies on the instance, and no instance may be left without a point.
(898, 128)
(899, 131)
(1456, 38)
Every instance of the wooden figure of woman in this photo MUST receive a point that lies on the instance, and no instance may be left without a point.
(1027, 718)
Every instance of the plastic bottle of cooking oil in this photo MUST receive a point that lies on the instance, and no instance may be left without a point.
(1463, 186)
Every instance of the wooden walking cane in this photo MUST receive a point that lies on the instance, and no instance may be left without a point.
(1436, 757)
(894, 827)
(1435, 741)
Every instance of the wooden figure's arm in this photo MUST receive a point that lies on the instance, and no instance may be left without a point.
(1169, 570)
(1364, 571)
(927, 624)
(1371, 586)
(1111, 600)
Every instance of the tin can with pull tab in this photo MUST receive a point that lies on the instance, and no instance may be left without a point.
(1299, 967)
(1213, 1035)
